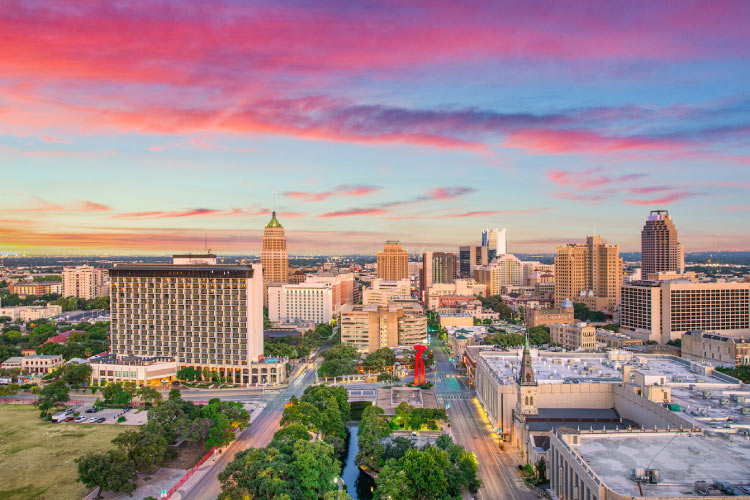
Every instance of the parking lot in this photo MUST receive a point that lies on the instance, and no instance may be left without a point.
(135, 416)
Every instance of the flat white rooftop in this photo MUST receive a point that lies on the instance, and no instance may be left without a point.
(682, 459)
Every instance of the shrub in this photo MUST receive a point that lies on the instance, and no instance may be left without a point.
(121, 419)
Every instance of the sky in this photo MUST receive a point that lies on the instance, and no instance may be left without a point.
(152, 127)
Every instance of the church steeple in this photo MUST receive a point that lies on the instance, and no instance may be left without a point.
(526, 374)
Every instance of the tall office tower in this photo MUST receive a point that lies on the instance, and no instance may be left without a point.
(274, 256)
(85, 282)
(204, 315)
(393, 262)
(660, 250)
(589, 273)
(471, 257)
(496, 241)
(503, 271)
(437, 267)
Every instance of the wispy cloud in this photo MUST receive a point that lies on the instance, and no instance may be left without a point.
(352, 212)
(664, 200)
(351, 190)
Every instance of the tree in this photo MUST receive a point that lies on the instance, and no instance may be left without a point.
(583, 313)
(188, 374)
(108, 471)
(53, 393)
(9, 390)
(302, 412)
(373, 427)
(539, 335)
(316, 466)
(146, 450)
(613, 327)
(380, 359)
(149, 394)
(337, 368)
(115, 394)
(337, 495)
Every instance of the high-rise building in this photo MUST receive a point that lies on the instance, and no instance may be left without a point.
(660, 250)
(663, 310)
(342, 287)
(301, 303)
(85, 282)
(471, 257)
(393, 262)
(503, 271)
(437, 267)
(496, 241)
(274, 256)
(589, 273)
(370, 327)
(204, 315)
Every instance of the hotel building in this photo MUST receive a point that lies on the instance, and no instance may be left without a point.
(660, 250)
(663, 311)
(302, 303)
(501, 272)
(204, 315)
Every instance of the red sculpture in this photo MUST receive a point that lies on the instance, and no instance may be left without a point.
(419, 365)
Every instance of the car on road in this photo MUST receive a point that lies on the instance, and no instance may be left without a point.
(81, 419)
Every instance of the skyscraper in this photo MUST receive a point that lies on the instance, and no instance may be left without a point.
(85, 282)
(471, 257)
(438, 267)
(589, 273)
(496, 241)
(660, 250)
(274, 256)
(393, 262)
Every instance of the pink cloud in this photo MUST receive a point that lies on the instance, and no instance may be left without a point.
(90, 206)
(196, 212)
(53, 140)
(354, 212)
(583, 141)
(663, 200)
(344, 190)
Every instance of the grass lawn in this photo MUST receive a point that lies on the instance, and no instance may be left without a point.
(36, 458)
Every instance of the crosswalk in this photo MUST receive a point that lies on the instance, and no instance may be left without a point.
(457, 395)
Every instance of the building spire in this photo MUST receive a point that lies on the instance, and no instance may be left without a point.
(526, 374)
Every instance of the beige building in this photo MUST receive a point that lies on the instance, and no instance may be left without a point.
(370, 327)
(448, 294)
(302, 303)
(274, 256)
(204, 315)
(141, 371)
(393, 262)
(615, 340)
(471, 257)
(382, 291)
(715, 350)
(85, 282)
(574, 337)
(458, 319)
(37, 364)
(31, 313)
(660, 250)
(437, 267)
(550, 316)
(589, 273)
(501, 272)
(663, 311)
(342, 287)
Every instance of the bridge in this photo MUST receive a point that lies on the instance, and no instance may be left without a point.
(362, 395)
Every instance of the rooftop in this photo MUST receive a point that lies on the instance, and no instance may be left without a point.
(682, 459)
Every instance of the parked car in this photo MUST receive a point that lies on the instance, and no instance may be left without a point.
(92, 410)
(93, 419)
(100, 420)
(69, 419)
(81, 419)
(69, 411)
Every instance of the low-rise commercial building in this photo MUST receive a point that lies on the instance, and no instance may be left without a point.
(456, 320)
(447, 294)
(151, 371)
(31, 313)
(615, 340)
(38, 364)
(372, 326)
(550, 316)
(714, 349)
(36, 288)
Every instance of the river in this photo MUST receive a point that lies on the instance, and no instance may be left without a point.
(358, 484)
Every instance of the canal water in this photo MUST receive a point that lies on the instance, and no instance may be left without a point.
(358, 484)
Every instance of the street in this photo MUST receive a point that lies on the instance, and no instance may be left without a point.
(258, 435)
(472, 430)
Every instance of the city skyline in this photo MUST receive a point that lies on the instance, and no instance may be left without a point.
(423, 124)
